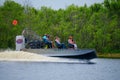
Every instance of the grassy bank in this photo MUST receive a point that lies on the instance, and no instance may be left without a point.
(109, 55)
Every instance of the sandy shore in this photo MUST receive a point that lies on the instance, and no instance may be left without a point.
(23, 56)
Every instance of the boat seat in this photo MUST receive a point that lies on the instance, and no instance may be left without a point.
(58, 45)
(70, 45)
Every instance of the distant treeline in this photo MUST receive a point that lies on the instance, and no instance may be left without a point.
(96, 26)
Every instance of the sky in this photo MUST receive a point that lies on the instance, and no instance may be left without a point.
(56, 4)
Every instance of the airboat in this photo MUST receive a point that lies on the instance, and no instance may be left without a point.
(34, 45)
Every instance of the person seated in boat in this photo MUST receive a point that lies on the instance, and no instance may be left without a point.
(47, 41)
(59, 44)
(71, 43)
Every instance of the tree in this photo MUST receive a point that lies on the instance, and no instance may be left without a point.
(8, 14)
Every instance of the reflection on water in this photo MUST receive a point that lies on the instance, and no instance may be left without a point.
(104, 69)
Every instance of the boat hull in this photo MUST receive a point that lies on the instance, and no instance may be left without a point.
(66, 53)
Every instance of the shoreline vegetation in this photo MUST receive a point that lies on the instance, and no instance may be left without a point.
(109, 55)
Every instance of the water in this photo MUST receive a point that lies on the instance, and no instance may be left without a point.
(103, 69)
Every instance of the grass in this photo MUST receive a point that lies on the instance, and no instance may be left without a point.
(109, 55)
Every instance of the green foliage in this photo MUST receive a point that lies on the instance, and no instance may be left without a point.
(97, 26)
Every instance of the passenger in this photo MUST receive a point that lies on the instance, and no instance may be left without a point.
(47, 41)
(59, 44)
(71, 43)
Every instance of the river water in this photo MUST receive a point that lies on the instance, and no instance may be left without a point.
(102, 69)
